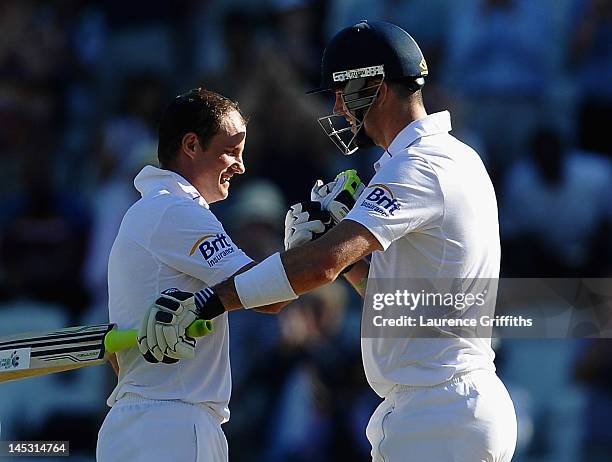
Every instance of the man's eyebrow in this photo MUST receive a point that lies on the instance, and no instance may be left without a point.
(236, 138)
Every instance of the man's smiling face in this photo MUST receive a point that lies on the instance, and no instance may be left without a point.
(222, 158)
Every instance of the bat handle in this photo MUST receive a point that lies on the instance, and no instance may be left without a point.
(200, 328)
(120, 339)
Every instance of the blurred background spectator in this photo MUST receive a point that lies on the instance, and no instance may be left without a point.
(82, 84)
(593, 369)
(590, 57)
(555, 212)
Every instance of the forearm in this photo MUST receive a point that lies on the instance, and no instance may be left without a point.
(306, 268)
(358, 276)
(230, 288)
(309, 266)
(228, 295)
(272, 309)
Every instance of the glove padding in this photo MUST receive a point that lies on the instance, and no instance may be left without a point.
(305, 222)
(162, 335)
(338, 197)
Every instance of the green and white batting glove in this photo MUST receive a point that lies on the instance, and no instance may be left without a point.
(338, 197)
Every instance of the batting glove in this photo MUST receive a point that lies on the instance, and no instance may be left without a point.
(162, 335)
(305, 222)
(338, 197)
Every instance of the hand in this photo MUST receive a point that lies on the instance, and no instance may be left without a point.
(338, 197)
(162, 335)
(305, 222)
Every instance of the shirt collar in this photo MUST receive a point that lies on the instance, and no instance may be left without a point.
(432, 124)
(153, 180)
(382, 161)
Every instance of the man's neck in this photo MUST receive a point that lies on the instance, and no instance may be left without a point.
(185, 173)
(398, 120)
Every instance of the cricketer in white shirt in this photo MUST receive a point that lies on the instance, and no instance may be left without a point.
(432, 207)
(169, 238)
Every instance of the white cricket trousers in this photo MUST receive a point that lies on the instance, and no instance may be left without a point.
(470, 418)
(142, 430)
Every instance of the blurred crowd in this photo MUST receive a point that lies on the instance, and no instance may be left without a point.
(82, 83)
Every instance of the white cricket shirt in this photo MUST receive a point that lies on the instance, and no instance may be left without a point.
(432, 207)
(170, 238)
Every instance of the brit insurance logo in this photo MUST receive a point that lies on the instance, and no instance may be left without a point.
(213, 247)
(380, 199)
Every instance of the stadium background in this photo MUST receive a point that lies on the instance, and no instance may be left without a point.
(528, 84)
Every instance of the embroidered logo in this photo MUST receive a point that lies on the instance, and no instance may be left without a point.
(380, 199)
(213, 247)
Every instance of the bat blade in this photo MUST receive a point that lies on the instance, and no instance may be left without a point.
(30, 354)
(6, 376)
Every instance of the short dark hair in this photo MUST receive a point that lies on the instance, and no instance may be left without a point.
(199, 111)
(406, 87)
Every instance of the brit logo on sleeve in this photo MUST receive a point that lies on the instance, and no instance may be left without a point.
(379, 198)
(213, 247)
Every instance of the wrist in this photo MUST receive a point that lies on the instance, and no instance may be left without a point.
(208, 304)
(252, 293)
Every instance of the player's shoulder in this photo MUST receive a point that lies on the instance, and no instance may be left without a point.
(441, 144)
(408, 166)
(404, 178)
(166, 211)
(185, 211)
(445, 157)
(160, 204)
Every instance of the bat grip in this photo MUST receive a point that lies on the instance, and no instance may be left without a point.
(119, 339)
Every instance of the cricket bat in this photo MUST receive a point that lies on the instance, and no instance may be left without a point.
(27, 355)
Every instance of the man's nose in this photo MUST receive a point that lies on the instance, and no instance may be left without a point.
(339, 104)
(239, 167)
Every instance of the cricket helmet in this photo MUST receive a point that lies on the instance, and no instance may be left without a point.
(357, 56)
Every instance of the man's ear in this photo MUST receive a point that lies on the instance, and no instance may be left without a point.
(383, 94)
(189, 144)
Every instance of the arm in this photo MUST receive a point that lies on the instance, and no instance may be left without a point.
(358, 276)
(315, 263)
(268, 286)
(309, 221)
(273, 308)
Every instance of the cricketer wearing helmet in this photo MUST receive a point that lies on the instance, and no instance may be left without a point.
(429, 213)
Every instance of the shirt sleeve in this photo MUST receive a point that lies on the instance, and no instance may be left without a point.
(190, 239)
(403, 197)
